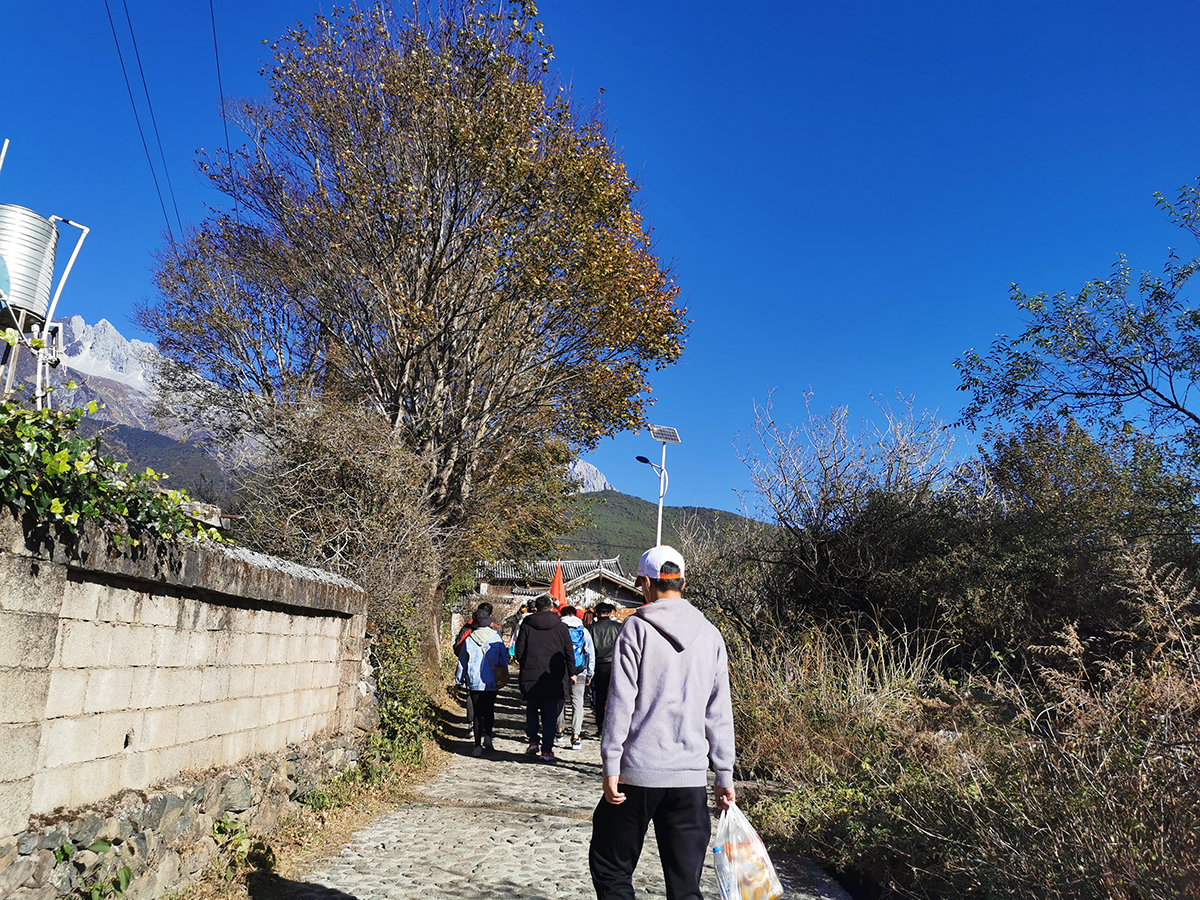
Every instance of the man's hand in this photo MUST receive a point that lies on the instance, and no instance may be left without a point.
(574, 679)
(612, 790)
(724, 797)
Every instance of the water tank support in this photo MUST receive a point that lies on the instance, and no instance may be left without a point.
(67, 271)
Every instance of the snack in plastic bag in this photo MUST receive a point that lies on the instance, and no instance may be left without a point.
(744, 870)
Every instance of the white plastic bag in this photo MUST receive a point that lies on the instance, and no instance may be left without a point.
(744, 870)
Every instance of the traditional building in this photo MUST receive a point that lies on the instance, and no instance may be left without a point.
(587, 582)
(508, 586)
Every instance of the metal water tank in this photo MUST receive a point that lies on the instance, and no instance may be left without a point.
(27, 244)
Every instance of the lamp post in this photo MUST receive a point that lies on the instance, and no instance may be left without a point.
(667, 435)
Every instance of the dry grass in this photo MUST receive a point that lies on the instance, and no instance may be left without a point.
(1077, 780)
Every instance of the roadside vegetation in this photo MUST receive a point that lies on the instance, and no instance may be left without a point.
(978, 676)
(955, 675)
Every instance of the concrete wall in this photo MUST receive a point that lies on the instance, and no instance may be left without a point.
(122, 668)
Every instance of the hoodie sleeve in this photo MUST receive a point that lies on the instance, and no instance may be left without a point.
(589, 651)
(622, 696)
(718, 722)
(460, 673)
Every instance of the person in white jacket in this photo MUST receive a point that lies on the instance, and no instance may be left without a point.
(585, 659)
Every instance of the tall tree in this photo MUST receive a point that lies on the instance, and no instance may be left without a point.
(1114, 356)
(423, 223)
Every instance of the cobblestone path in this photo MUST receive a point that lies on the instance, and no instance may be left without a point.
(502, 827)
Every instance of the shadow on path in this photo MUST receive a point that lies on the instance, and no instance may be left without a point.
(269, 886)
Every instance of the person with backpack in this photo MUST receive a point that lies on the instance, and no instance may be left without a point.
(604, 631)
(669, 722)
(481, 619)
(585, 662)
(483, 670)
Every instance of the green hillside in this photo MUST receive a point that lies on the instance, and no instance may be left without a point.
(189, 467)
(624, 525)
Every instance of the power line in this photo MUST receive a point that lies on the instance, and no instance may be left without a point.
(221, 91)
(153, 122)
(141, 131)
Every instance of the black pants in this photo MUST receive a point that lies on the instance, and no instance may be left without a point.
(485, 714)
(681, 827)
(600, 694)
(542, 732)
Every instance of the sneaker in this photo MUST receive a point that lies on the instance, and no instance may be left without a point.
(533, 749)
(470, 731)
(558, 738)
(478, 751)
(549, 758)
(577, 743)
(487, 743)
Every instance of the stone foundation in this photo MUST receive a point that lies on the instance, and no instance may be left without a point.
(165, 836)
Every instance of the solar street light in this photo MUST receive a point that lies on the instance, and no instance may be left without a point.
(667, 435)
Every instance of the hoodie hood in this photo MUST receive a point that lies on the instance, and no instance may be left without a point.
(572, 621)
(675, 619)
(485, 634)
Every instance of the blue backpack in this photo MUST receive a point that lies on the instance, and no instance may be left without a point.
(577, 641)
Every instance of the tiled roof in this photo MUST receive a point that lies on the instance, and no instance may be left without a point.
(542, 571)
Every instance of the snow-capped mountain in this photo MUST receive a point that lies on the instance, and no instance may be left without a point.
(589, 477)
(101, 351)
(109, 369)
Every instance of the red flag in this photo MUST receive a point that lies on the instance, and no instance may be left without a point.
(557, 592)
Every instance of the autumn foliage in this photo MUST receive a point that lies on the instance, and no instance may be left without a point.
(424, 224)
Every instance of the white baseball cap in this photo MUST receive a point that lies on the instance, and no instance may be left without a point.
(652, 561)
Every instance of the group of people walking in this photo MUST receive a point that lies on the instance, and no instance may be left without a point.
(660, 693)
(560, 659)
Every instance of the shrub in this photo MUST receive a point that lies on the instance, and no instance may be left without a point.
(1075, 779)
(406, 718)
(57, 477)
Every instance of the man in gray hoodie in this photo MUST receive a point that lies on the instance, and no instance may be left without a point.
(669, 720)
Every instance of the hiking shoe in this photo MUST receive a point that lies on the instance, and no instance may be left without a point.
(549, 758)
(478, 751)
(577, 743)
(533, 750)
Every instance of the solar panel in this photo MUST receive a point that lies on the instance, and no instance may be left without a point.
(664, 433)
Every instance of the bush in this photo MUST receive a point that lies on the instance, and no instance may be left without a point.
(406, 717)
(1075, 779)
(51, 473)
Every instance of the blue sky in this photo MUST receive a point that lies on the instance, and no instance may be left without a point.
(844, 190)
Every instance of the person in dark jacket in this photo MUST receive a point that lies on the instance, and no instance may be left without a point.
(604, 634)
(548, 670)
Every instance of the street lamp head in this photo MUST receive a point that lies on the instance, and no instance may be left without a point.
(643, 459)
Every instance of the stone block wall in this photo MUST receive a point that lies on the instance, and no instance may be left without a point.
(121, 668)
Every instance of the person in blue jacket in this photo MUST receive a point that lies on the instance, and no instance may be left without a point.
(481, 657)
